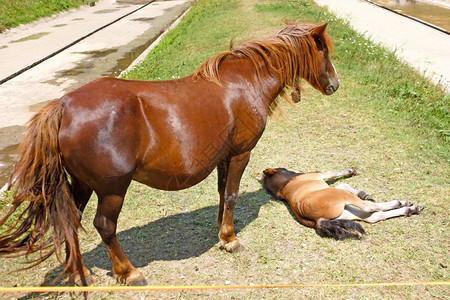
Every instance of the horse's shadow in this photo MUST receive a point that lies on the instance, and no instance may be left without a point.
(176, 237)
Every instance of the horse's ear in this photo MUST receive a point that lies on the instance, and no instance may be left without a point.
(319, 30)
(317, 34)
(269, 172)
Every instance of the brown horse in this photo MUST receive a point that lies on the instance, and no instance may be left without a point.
(168, 135)
(327, 209)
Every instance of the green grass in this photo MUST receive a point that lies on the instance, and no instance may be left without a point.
(386, 120)
(16, 12)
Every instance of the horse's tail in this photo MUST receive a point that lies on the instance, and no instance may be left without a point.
(40, 180)
(339, 229)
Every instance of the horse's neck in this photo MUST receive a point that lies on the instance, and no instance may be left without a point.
(259, 81)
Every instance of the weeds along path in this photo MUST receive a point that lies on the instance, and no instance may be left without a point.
(385, 120)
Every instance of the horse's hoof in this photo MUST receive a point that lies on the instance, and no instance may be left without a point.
(89, 281)
(413, 210)
(139, 282)
(353, 172)
(233, 247)
(369, 198)
(364, 196)
(418, 209)
(133, 277)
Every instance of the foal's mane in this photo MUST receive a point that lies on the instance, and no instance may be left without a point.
(289, 54)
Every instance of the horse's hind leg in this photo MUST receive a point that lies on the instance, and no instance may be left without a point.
(361, 194)
(351, 213)
(81, 194)
(110, 201)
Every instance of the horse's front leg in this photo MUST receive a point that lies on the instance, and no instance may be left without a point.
(222, 173)
(235, 169)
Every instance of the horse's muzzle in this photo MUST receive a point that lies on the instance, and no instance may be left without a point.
(332, 88)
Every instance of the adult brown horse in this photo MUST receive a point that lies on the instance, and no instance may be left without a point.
(168, 135)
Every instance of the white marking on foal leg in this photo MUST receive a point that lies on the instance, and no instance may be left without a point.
(384, 215)
(352, 213)
(382, 206)
(348, 188)
(335, 174)
(361, 194)
(391, 205)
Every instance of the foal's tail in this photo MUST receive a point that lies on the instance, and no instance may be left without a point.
(339, 229)
(39, 179)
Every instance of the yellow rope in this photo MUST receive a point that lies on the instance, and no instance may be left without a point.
(61, 289)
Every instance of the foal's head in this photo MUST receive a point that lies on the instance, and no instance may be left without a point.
(274, 180)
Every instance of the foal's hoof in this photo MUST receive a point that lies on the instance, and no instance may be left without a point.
(233, 246)
(414, 210)
(369, 198)
(139, 282)
(353, 172)
(364, 196)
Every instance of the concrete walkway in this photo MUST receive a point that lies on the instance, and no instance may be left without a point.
(422, 47)
(104, 53)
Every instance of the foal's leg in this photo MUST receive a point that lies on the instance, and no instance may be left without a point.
(81, 194)
(110, 200)
(236, 167)
(369, 207)
(361, 194)
(351, 213)
(330, 175)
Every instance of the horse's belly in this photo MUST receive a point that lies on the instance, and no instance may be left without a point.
(177, 160)
(170, 180)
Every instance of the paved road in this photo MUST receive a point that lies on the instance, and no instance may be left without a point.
(420, 46)
(104, 53)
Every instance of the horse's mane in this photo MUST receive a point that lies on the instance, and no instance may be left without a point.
(289, 54)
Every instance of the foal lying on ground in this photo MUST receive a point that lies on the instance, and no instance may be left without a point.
(330, 210)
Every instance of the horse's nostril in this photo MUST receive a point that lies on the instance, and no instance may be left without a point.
(330, 89)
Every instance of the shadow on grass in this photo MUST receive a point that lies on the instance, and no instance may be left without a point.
(179, 236)
(176, 237)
